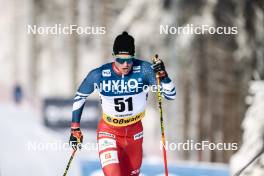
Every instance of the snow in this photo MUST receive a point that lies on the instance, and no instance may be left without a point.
(19, 126)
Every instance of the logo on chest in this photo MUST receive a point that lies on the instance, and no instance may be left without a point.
(120, 86)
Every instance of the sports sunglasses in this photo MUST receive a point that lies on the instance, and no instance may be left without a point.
(123, 60)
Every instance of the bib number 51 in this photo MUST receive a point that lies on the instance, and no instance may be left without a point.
(121, 104)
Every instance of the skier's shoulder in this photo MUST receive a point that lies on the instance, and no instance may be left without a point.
(142, 63)
(98, 70)
(142, 66)
(101, 71)
(106, 66)
(94, 72)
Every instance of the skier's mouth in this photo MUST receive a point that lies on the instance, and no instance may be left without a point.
(125, 69)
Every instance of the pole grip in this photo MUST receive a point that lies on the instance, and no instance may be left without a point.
(155, 59)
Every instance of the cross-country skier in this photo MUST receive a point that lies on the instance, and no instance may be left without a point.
(122, 88)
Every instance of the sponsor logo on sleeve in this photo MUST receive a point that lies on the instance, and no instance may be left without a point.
(136, 69)
(106, 73)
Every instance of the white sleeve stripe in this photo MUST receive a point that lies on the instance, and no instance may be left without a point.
(78, 104)
(169, 91)
(78, 97)
(82, 94)
(168, 86)
(170, 97)
(169, 94)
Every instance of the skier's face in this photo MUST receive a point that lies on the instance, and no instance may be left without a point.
(124, 64)
(123, 68)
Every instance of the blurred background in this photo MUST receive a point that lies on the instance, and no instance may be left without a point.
(219, 81)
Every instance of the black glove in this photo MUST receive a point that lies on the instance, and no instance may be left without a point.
(76, 138)
(159, 68)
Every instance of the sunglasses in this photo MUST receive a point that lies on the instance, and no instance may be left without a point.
(123, 60)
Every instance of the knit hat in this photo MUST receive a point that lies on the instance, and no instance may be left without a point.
(124, 44)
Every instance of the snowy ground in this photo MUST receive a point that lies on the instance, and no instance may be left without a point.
(19, 127)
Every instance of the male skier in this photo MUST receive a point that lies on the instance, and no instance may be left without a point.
(121, 86)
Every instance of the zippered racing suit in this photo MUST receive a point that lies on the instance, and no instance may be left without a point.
(123, 100)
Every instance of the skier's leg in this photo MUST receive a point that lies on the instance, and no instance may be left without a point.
(109, 153)
(110, 169)
(132, 159)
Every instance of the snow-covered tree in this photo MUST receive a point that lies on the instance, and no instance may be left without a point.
(253, 136)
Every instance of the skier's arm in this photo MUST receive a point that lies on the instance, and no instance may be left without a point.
(85, 89)
(167, 86)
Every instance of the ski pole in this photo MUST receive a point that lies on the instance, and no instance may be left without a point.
(155, 60)
(251, 161)
(69, 163)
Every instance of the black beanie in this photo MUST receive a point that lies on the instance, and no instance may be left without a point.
(124, 44)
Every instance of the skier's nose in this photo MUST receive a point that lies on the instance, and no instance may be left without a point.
(125, 63)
